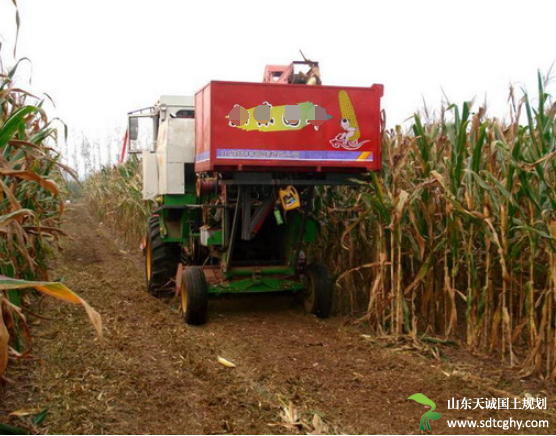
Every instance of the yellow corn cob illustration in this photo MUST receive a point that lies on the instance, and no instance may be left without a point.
(348, 113)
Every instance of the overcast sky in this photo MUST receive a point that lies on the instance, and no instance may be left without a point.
(99, 59)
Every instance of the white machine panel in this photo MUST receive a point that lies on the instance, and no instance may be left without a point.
(174, 148)
(150, 175)
(164, 163)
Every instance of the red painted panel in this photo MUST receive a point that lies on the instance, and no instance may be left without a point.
(348, 141)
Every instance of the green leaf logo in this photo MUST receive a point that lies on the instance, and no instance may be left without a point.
(430, 415)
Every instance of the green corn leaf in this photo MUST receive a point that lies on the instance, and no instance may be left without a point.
(10, 429)
(12, 124)
(40, 417)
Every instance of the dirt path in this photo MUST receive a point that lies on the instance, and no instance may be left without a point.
(153, 374)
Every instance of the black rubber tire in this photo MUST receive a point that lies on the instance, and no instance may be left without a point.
(163, 257)
(319, 293)
(194, 290)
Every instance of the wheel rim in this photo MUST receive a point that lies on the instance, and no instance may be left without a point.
(183, 297)
(148, 260)
(309, 295)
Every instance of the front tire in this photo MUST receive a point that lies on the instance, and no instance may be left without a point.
(318, 295)
(161, 261)
(194, 295)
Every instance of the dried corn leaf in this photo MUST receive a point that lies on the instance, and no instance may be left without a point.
(56, 290)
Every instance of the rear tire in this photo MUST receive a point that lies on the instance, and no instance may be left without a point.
(194, 295)
(319, 292)
(161, 261)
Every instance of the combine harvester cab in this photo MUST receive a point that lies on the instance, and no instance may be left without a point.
(234, 178)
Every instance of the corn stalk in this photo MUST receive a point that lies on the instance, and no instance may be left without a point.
(31, 206)
(457, 236)
(114, 193)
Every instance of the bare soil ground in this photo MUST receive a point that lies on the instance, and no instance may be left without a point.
(154, 374)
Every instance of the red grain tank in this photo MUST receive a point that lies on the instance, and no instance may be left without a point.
(333, 129)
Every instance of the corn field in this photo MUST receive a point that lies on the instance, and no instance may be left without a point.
(114, 193)
(457, 237)
(31, 206)
(31, 201)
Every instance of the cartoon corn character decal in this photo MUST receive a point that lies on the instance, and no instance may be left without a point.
(349, 120)
(349, 138)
